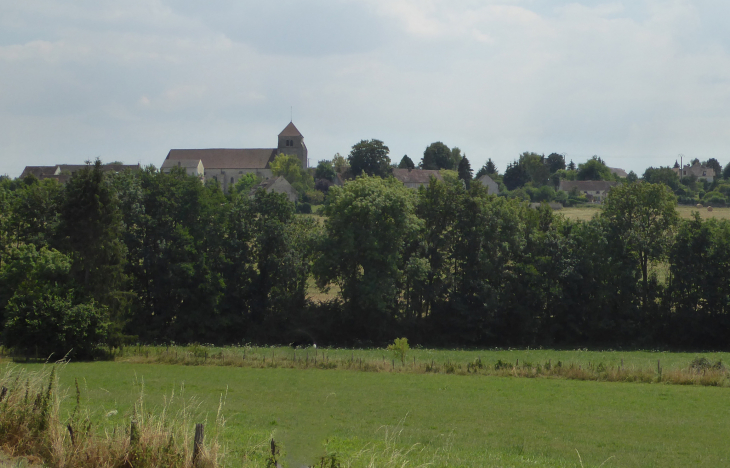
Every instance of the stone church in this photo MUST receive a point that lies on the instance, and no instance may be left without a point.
(228, 165)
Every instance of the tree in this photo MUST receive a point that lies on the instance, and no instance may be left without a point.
(369, 221)
(571, 166)
(325, 170)
(515, 176)
(661, 175)
(339, 163)
(245, 183)
(487, 169)
(535, 166)
(438, 156)
(465, 172)
(406, 163)
(456, 157)
(555, 162)
(90, 231)
(726, 172)
(632, 177)
(641, 216)
(290, 167)
(714, 164)
(370, 157)
(594, 169)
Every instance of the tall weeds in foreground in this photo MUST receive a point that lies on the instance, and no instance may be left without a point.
(30, 425)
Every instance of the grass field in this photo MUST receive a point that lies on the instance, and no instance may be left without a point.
(585, 213)
(449, 420)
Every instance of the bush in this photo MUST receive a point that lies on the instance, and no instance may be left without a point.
(714, 199)
(304, 208)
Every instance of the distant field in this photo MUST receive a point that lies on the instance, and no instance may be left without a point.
(586, 213)
(456, 421)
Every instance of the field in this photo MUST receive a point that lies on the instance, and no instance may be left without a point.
(585, 213)
(446, 419)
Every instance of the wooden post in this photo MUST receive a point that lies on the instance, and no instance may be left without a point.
(71, 432)
(659, 367)
(392, 364)
(622, 364)
(414, 362)
(198, 443)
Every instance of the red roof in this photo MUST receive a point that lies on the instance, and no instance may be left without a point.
(289, 131)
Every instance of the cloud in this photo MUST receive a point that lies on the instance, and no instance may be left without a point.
(636, 82)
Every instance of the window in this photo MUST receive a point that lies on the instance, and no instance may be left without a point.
(178, 164)
(231, 179)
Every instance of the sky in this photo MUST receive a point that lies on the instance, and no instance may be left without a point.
(636, 82)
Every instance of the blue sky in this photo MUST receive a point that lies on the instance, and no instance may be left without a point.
(635, 82)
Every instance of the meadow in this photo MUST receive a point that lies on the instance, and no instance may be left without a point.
(585, 213)
(438, 418)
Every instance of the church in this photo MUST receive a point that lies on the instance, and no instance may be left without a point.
(228, 165)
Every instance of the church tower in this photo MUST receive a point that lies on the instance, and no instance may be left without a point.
(292, 142)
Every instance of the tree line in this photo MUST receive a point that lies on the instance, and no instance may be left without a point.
(144, 256)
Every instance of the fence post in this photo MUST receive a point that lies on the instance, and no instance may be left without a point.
(133, 433)
(198, 443)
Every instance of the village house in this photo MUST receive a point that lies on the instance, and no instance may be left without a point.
(227, 166)
(63, 172)
(698, 170)
(414, 178)
(277, 185)
(490, 184)
(594, 190)
(193, 167)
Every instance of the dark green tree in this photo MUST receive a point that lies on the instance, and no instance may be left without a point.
(465, 172)
(632, 177)
(325, 170)
(438, 156)
(594, 169)
(571, 165)
(662, 175)
(515, 176)
(89, 232)
(726, 172)
(406, 163)
(369, 157)
(714, 164)
(555, 162)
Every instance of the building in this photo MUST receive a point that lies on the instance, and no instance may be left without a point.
(490, 184)
(414, 178)
(698, 170)
(63, 172)
(619, 172)
(594, 190)
(193, 167)
(278, 185)
(228, 165)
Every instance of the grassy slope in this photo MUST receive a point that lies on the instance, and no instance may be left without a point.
(685, 212)
(485, 421)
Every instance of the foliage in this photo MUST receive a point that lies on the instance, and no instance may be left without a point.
(488, 168)
(400, 348)
(465, 172)
(406, 163)
(662, 175)
(325, 170)
(594, 169)
(339, 163)
(245, 183)
(369, 157)
(714, 164)
(438, 156)
(290, 167)
(555, 162)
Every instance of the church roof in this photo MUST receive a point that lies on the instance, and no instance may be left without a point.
(290, 131)
(222, 158)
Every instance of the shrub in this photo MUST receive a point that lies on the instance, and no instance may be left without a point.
(304, 208)
(400, 348)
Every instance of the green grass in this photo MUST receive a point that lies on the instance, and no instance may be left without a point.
(455, 420)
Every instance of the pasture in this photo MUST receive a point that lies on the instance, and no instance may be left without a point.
(584, 213)
(444, 419)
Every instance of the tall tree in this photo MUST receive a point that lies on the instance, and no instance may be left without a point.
(594, 169)
(465, 172)
(90, 230)
(438, 156)
(571, 165)
(515, 176)
(339, 163)
(641, 216)
(325, 170)
(555, 162)
(714, 164)
(406, 163)
(370, 157)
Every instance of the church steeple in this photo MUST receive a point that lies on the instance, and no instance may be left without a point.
(291, 141)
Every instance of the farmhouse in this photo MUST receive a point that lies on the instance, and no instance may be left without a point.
(594, 190)
(698, 170)
(228, 165)
(277, 185)
(63, 172)
(414, 178)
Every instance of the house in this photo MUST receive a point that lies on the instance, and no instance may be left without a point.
(63, 172)
(228, 165)
(414, 178)
(491, 185)
(278, 185)
(619, 172)
(594, 190)
(698, 170)
(193, 167)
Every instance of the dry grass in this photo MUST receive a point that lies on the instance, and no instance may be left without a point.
(705, 375)
(585, 213)
(31, 426)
